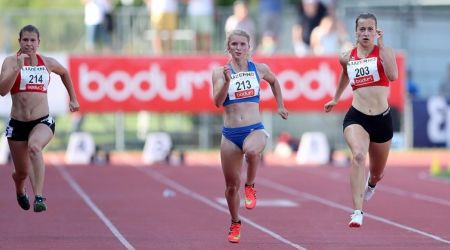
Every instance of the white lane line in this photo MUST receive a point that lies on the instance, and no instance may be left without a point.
(286, 189)
(426, 177)
(264, 202)
(74, 185)
(392, 190)
(182, 189)
(414, 195)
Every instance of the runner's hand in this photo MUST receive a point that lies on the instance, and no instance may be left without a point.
(329, 105)
(380, 38)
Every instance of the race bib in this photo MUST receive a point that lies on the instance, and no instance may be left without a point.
(34, 78)
(363, 71)
(243, 85)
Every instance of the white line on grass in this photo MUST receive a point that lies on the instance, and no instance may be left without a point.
(182, 189)
(286, 189)
(94, 207)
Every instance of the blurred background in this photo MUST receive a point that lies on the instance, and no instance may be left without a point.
(295, 38)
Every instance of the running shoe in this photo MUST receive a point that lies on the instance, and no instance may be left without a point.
(22, 198)
(39, 204)
(250, 196)
(235, 232)
(356, 219)
(368, 191)
(23, 201)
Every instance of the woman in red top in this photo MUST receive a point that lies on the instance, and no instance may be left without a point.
(367, 125)
(26, 76)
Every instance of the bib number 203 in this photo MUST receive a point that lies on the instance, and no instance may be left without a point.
(362, 71)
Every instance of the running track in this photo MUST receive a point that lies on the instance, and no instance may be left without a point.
(124, 207)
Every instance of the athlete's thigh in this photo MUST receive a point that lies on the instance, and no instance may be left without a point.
(256, 141)
(357, 138)
(19, 154)
(40, 135)
(231, 158)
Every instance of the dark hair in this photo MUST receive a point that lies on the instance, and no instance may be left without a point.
(365, 16)
(29, 28)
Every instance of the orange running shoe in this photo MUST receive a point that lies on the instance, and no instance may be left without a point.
(250, 196)
(235, 232)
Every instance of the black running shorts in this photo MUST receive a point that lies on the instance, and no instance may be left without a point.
(379, 127)
(20, 131)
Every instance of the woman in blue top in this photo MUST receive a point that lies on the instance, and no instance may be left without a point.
(236, 88)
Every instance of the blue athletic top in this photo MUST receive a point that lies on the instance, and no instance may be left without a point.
(243, 85)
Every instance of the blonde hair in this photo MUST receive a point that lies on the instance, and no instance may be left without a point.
(236, 32)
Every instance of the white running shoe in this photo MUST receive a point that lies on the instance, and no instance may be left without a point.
(357, 219)
(368, 191)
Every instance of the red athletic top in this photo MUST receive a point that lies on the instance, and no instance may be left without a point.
(365, 72)
(32, 78)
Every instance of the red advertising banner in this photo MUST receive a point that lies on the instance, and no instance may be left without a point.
(183, 84)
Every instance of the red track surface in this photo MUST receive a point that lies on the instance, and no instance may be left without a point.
(117, 207)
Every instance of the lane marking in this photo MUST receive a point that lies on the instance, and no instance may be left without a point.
(182, 189)
(426, 177)
(414, 195)
(264, 202)
(270, 184)
(74, 185)
(391, 190)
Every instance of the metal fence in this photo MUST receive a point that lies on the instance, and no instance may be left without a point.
(62, 30)
(417, 30)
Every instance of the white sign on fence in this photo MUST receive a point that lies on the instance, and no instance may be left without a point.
(81, 148)
(157, 147)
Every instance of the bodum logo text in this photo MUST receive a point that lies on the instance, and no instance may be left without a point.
(145, 85)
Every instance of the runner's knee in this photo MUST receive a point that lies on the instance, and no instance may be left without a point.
(231, 190)
(359, 158)
(34, 150)
(252, 155)
(20, 175)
